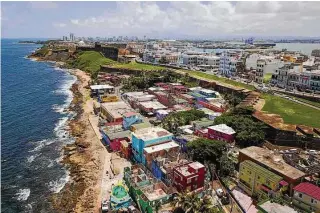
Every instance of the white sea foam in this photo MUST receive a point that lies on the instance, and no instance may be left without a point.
(57, 185)
(50, 164)
(31, 158)
(23, 194)
(41, 144)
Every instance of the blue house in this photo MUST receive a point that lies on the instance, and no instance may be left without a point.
(147, 137)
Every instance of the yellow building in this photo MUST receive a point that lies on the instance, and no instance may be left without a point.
(307, 197)
(254, 179)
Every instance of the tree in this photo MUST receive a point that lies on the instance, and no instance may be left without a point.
(192, 203)
(232, 99)
(204, 149)
(157, 206)
(163, 60)
(175, 119)
(226, 166)
(248, 131)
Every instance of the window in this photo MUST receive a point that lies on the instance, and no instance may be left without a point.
(300, 195)
(189, 180)
(312, 200)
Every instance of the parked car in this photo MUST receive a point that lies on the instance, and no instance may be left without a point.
(105, 206)
(220, 192)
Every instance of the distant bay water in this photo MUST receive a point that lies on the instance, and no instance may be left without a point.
(302, 47)
(34, 98)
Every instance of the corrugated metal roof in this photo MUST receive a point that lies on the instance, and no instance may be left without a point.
(309, 189)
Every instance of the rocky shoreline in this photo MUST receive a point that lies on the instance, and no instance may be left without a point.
(84, 158)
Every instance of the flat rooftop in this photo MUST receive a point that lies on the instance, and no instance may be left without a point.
(196, 165)
(150, 133)
(153, 105)
(273, 161)
(105, 86)
(276, 207)
(117, 109)
(164, 146)
(222, 128)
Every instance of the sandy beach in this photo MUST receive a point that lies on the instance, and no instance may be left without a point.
(85, 158)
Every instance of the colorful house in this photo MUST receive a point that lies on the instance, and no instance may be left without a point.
(145, 190)
(307, 196)
(119, 197)
(221, 132)
(161, 150)
(126, 149)
(255, 179)
(114, 111)
(189, 98)
(162, 167)
(150, 107)
(113, 139)
(189, 177)
(131, 118)
(148, 137)
(182, 140)
(274, 162)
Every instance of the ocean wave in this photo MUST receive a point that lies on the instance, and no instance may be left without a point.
(57, 185)
(41, 144)
(59, 108)
(23, 194)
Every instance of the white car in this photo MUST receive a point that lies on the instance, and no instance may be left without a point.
(220, 192)
(105, 206)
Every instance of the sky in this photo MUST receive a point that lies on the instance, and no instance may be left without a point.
(204, 20)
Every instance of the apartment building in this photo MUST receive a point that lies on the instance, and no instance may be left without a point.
(228, 63)
(254, 179)
(294, 76)
(189, 177)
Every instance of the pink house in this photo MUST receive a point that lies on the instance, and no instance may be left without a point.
(221, 132)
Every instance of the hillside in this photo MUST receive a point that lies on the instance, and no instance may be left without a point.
(90, 61)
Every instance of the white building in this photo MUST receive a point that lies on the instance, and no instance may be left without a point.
(228, 63)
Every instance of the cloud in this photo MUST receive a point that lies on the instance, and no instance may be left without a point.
(207, 19)
(59, 25)
(43, 5)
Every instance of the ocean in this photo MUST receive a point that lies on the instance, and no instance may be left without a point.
(35, 96)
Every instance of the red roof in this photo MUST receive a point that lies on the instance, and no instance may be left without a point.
(309, 189)
(284, 183)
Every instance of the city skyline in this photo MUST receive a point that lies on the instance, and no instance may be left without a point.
(189, 20)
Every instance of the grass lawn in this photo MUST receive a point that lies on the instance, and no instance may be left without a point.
(136, 66)
(216, 78)
(317, 104)
(267, 77)
(291, 112)
(90, 61)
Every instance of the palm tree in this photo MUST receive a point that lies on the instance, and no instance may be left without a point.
(180, 201)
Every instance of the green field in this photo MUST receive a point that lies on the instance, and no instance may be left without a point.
(317, 104)
(216, 78)
(291, 112)
(90, 61)
(137, 66)
(267, 77)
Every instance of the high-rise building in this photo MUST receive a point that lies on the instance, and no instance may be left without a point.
(72, 38)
